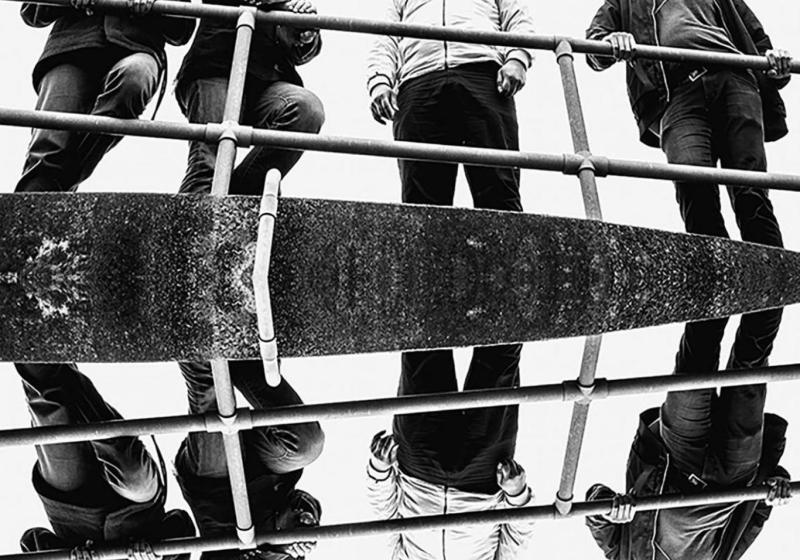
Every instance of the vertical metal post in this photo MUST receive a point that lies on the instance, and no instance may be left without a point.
(591, 203)
(223, 169)
(266, 228)
(226, 149)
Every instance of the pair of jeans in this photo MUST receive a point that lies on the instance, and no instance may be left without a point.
(458, 106)
(59, 394)
(718, 436)
(276, 106)
(109, 82)
(274, 449)
(719, 117)
(458, 448)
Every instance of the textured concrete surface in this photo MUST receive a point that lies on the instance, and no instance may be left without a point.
(147, 277)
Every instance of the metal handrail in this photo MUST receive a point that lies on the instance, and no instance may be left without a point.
(569, 164)
(412, 524)
(246, 419)
(377, 27)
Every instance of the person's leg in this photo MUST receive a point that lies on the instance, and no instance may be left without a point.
(280, 449)
(52, 160)
(490, 433)
(427, 442)
(424, 116)
(276, 106)
(60, 394)
(202, 453)
(128, 87)
(489, 120)
(201, 101)
(686, 138)
(686, 416)
(739, 123)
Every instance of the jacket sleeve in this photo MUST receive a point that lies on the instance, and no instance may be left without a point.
(758, 34)
(177, 30)
(383, 62)
(607, 535)
(384, 492)
(607, 20)
(296, 53)
(36, 15)
(516, 18)
(514, 537)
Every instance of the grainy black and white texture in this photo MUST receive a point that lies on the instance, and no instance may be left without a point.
(149, 277)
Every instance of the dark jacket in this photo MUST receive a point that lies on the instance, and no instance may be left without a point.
(647, 84)
(272, 57)
(73, 31)
(648, 474)
(101, 515)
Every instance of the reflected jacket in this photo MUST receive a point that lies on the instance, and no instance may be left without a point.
(74, 31)
(648, 92)
(393, 60)
(395, 495)
(649, 474)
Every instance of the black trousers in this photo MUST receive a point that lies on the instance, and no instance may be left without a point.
(458, 106)
(459, 448)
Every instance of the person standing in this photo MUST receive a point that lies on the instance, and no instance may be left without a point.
(452, 93)
(106, 65)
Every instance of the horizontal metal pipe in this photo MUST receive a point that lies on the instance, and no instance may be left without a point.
(567, 391)
(377, 27)
(424, 523)
(570, 164)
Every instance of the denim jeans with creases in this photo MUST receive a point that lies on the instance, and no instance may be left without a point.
(59, 394)
(276, 106)
(275, 449)
(107, 82)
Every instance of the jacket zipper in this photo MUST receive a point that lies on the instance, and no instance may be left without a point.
(444, 531)
(444, 24)
(655, 516)
(658, 44)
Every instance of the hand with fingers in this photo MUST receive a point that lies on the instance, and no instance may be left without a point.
(780, 63)
(384, 451)
(623, 45)
(140, 8)
(780, 491)
(85, 552)
(141, 550)
(300, 7)
(299, 549)
(511, 78)
(86, 6)
(511, 478)
(623, 509)
(384, 104)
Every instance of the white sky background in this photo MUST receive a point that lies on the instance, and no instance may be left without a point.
(337, 76)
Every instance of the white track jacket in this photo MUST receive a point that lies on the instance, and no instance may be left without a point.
(394, 495)
(394, 60)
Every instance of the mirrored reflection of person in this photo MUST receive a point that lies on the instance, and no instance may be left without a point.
(102, 492)
(98, 64)
(274, 459)
(274, 96)
(700, 440)
(450, 462)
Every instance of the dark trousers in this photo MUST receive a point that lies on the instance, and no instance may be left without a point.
(459, 106)
(458, 448)
(59, 394)
(719, 118)
(275, 449)
(718, 436)
(277, 106)
(107, 82)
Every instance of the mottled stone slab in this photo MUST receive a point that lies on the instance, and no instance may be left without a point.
(147, 277)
